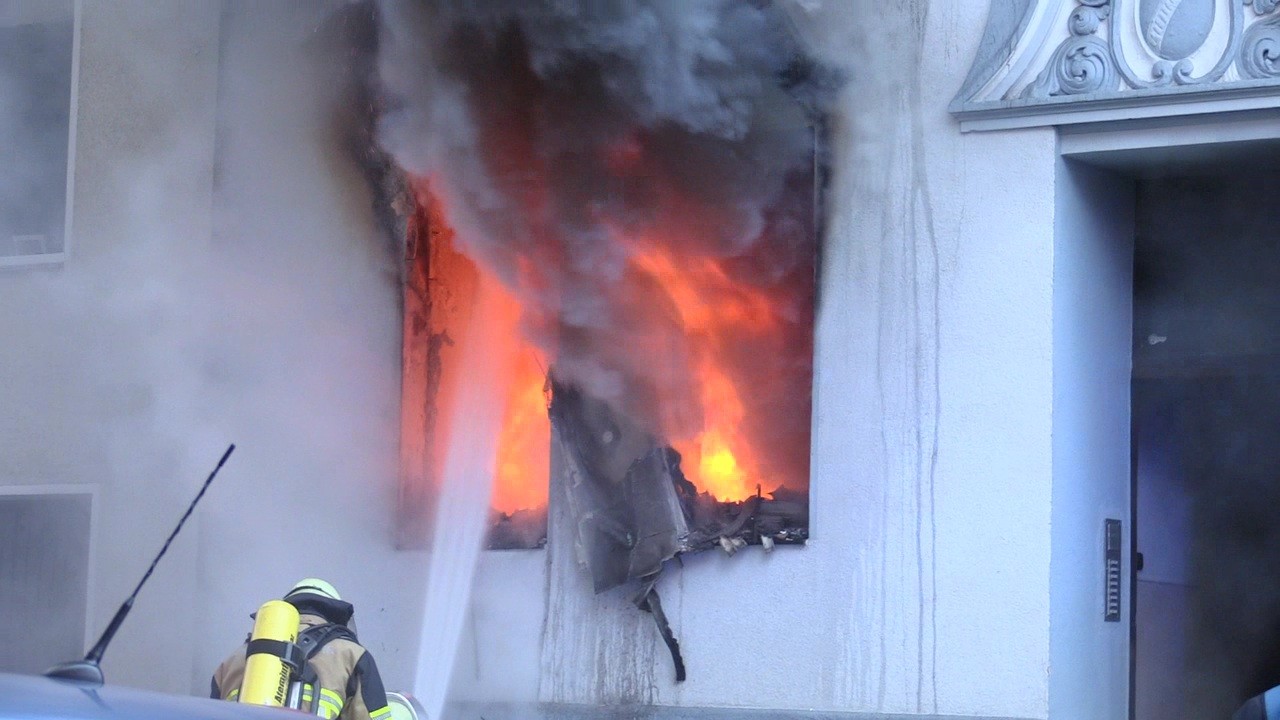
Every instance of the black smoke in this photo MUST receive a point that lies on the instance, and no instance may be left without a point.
(564, 138)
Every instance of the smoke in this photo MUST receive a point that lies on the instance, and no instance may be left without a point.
(225, 282)
(568, 139)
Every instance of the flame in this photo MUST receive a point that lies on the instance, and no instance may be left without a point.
(716, 451)
(524, 448)
(718, 458)
(661, 263)
(441, 297)
(714, 422)
(522, 467)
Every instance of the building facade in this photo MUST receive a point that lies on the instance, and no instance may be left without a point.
(223, 280)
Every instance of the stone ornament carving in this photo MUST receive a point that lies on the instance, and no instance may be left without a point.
(1260, 56)
(1082, 64)
(1263, 6)
(1158, 42)
(1121, 53)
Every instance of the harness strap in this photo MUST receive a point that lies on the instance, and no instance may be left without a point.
(326, 703)
(291, 654)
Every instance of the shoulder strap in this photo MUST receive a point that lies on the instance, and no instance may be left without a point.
(311, 640)
(317, 636)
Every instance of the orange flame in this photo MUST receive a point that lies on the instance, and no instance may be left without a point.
(718, 316)
(524, 449)
(522, 468)
(718, 459)
(441, 293)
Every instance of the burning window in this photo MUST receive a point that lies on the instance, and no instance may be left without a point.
(648, 204)
(739, 427)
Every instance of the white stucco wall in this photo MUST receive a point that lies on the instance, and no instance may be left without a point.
(226, 284)
(301, 347)
(1093, 331)
(926, 587)
(83, 402)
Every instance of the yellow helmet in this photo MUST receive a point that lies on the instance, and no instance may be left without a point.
(313, 586)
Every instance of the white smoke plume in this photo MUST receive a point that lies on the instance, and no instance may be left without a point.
(224, 283)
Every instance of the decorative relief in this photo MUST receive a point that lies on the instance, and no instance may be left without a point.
(1260, 53)
(1086, 19)
(1109, 48)
(1178, 37)
(1174, 29)
(1155, 43)
(1080, 66)
(1263, 6)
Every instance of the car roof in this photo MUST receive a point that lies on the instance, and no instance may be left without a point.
(33, 697)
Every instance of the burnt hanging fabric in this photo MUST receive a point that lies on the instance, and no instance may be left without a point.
(636, 519)
(647, 600)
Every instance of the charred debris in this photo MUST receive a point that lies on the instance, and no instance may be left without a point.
(634, 510)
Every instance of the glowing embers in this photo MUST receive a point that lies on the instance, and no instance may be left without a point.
(634, 506)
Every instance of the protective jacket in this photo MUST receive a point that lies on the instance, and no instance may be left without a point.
(346, 683)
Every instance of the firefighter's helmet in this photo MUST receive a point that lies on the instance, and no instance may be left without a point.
(313, 586)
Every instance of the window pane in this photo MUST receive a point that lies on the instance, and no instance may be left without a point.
(44, 564)
(35, 111)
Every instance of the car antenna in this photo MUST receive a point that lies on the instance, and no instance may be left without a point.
(89, 670)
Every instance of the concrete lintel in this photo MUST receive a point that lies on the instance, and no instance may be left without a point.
(1182, 132)
(1118, 107)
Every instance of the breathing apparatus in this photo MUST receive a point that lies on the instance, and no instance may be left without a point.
(276, 672)
(273, 661)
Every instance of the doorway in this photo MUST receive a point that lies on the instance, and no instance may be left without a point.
(1206, 438)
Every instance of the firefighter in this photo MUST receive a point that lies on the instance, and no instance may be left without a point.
(340, 679)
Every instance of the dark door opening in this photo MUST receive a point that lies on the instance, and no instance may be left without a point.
(1206, 414)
